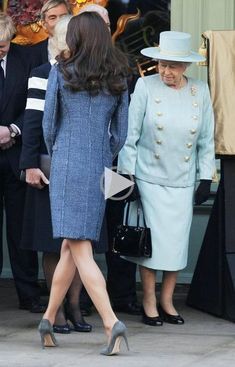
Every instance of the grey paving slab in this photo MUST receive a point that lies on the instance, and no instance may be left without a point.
(203, 341)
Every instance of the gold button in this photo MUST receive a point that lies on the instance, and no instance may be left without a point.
(159, 142)
(195, 117)
(159, 127)
(189, 145)
(193, 131)
(157, 100)
(159, 113)
(186, 159)
(195, 104)
(157, 156)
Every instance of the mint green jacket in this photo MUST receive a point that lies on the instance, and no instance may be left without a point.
(170, 133)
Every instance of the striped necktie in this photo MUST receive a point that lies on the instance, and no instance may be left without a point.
(2, 79)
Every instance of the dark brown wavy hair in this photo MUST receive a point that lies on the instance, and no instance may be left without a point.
(93, 63)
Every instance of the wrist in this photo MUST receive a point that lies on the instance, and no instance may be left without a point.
(13, 131)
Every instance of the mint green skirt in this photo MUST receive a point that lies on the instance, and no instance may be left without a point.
(168, 212)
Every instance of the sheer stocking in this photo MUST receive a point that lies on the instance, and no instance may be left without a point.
(72, 298)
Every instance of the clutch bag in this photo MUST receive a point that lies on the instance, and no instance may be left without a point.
(45, 166)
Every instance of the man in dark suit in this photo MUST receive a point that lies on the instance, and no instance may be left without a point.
(51, 12)
(15, 67)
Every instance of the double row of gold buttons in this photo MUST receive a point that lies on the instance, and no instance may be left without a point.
(192, 131)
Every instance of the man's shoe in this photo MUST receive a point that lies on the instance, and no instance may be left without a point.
(37, 307)
(132, 308)
(34, 307)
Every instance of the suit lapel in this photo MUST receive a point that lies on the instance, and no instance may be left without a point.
(44, 51)
(14, 67)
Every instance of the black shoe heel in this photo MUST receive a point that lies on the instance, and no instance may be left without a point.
(171, 319)
(151, 321)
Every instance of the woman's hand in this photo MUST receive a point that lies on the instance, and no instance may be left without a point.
(203, 192)
(36, 178)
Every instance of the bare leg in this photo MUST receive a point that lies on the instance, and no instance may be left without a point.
(148, 278)
(93, 281)
(62, 278)
(49, 263)
(167, 291)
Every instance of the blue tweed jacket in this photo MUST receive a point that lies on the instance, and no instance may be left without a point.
(83, 134)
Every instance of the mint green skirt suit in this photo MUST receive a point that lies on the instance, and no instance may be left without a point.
(170, 138)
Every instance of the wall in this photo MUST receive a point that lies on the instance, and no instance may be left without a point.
(198, 16)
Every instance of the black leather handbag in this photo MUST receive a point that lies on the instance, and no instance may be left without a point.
(133, 241)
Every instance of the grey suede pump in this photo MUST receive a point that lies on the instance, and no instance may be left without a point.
(119, 331)
(46, 332)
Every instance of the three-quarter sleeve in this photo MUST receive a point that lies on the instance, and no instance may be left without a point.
(205, 143)
(119, 124)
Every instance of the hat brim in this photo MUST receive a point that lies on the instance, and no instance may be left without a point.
(154, 53)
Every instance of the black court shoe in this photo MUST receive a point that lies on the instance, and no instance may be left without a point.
(78, 325)
(81, 326)
(151, 321)
(61, 329)
(171, 319)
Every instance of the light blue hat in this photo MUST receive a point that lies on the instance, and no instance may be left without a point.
(173, 46)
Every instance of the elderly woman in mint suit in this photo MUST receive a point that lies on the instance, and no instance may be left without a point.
(170, 136)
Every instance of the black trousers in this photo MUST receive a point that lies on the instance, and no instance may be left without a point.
(121, 274)
(24, 263)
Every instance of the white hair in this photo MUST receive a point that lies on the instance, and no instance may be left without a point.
(7, 28)
(57, 43)
(94, 7)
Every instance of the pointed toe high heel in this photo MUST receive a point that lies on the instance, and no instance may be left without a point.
(151, 321)
(119, 331)
(46, 332)
(170, 319)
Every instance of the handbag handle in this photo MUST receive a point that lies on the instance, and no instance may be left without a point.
(138, 214)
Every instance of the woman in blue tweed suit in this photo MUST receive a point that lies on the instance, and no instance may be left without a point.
(170, 133)
(37, 227)
(85, 126)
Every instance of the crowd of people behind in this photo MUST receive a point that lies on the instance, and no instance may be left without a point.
(67, 98)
